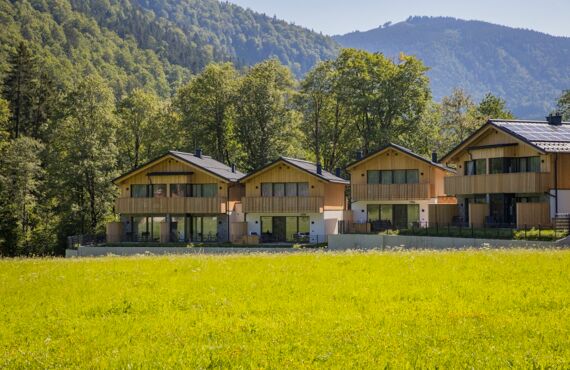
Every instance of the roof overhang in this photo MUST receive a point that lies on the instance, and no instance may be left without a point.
(282, 160)
(464, 145)
(162, 158)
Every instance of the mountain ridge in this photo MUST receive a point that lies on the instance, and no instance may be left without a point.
(527, 68)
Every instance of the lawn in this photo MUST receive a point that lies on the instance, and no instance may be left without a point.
(458, 309)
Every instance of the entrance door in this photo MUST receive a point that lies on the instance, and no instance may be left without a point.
(502, 208)
(401, 216)
(280, 229)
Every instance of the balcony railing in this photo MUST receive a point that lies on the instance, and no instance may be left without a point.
(390, 191)
(524, 182)
(283, 204)
(133, 206)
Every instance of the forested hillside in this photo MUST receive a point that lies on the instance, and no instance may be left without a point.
(527, 68)
(151, 44)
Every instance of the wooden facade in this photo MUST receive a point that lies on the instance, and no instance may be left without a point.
(171, 170)
(283, 204)
(430, 184)
(168, 205)
(323, 195)
(524, 182)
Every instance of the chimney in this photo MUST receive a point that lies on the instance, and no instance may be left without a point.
(233, 168)
(319, 169)
(434, 157)
(554, 119)
(198, 153)
(337, 172)
(359, 155)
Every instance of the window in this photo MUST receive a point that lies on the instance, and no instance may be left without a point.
(139, 191)
(303, 189)
(266, 225)
(373, 212)
(514, 164)
(158, 190)
(412, 176)
(373, 177)
(267, 189)
(393, 177)
(304, 225)
(413, 214)
(291, 189)
(476, 167)
(399, 177)
(209, 190)
(285, 189)
(386, 212)
(279, 190)
(180, 190)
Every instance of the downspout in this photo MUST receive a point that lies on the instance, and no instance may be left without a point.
(556, 185)
(228, 212)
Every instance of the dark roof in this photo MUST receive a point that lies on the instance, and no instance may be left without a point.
(541, 135)
(549, 138)
(302, 165)
(204, 162)
(404, 150)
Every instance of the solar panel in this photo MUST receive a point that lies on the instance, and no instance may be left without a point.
(537, 131)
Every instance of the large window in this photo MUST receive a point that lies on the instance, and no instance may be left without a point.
(193, 190)
(285, 189)
(476, 167)
(393, 177)
(514, 164)
(204, 229)
(147, 228)
(397, 215)
(148, 191)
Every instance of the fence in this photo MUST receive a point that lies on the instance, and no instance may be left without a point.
(75, 241)
(460, 230)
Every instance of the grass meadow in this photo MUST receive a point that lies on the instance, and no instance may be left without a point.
(462, 309)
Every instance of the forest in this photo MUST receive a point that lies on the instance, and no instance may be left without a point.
(81, 103)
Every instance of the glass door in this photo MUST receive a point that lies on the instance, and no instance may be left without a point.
(401, 216)
(280, 229)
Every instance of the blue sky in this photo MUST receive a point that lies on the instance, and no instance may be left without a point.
(342, 16)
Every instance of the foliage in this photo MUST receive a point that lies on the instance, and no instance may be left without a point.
(302, 310)
(265, 121)
(540, 234)
(563, 105)
(207, 111)
(527, 68)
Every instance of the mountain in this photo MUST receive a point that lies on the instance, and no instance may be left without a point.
(528, 69)
(152, 43)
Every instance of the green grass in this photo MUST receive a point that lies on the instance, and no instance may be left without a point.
(483, 233)
(468, 309)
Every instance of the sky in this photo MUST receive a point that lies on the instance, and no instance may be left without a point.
(334, 17)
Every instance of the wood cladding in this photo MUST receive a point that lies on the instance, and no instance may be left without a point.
(390, 191)
(533, 215)
(525, 182)
(283, 204)
(134, 206)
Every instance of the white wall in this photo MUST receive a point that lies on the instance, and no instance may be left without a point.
(359, 213)
(563, 202)
(331, 221)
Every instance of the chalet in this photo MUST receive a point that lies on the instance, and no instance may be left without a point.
(178, 197)
(292, 200)
(512, 173)
(396, 188)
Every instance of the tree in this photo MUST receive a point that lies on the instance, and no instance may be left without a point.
(327, 124)
(138, 131)
(457, 122)
(84, 157)
(265, 123)
(206, 107)
(490, 107)
(19, 86)
(21, 175)
(563, 105)
(386, 99)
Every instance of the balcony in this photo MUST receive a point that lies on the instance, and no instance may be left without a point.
(524, 182)
(283, 204)
(390, 191)
(133, 206)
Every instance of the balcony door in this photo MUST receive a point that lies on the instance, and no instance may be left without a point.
(280, 228)
(401, 216)
(503, 208)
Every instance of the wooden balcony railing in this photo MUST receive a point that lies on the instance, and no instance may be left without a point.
(283, 204)
(524, 182)
(390, 191)
(133, 206)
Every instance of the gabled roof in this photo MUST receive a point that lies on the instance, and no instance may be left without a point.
(403, 150)
(204, 162)
(541, 135)
(306, 166)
